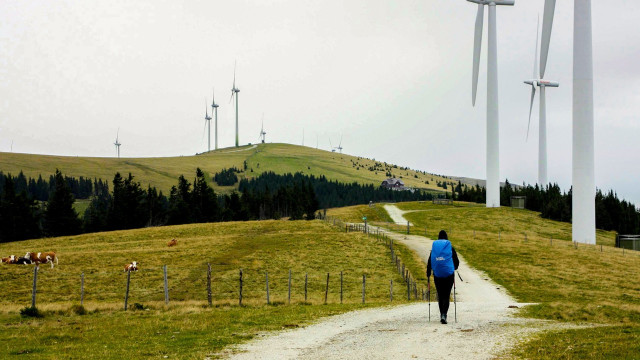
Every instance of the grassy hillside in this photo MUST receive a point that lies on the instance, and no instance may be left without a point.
(583, 284)
(186, 328)
(163, 172)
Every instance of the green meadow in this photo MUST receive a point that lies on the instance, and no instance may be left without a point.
(187, 327)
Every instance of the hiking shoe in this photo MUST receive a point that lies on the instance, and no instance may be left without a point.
(443, 319)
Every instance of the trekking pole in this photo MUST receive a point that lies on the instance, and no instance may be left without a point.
(429, 295)
(460, 276)
(455, 303)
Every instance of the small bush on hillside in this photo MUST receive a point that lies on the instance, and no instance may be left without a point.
(138, 306)
(78, 310)
(31, 312)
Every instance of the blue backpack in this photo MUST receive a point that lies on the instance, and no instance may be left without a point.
(442, 258)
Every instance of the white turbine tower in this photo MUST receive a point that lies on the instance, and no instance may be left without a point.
(207, 121)
(537, 81)
(234, 92)
(214, 110)
(584, 187)
(493, 141)
(117, 143)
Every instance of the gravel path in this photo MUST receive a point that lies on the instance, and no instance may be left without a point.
(486, 326)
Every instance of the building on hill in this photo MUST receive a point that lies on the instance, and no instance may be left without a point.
(393, 184)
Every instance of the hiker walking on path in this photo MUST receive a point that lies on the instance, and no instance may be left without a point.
(443, 260)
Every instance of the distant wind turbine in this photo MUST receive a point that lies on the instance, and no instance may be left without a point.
(262, 132)
(117, 143)
(339, 148)
(234, 92)
(207, 120)
(214, 109)
(493, 118)
(537, 81)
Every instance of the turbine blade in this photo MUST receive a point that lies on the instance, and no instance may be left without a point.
(234, 74)
(206, 109)
(547, 25)
(230, 100)
(477, 48)
(213, 96)
(533, 95)
(535, 59)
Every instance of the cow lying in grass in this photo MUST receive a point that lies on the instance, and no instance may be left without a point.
(131, 267)
(42, 258)
(15, 260)
(173, 242)
(9, 260)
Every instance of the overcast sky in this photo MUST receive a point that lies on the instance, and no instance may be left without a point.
(392, 77)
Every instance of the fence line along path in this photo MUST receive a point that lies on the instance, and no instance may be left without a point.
(486, 325)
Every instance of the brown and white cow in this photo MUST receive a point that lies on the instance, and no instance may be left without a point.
(42, 258)
(131, 267)
(173, 242)
(9, 260)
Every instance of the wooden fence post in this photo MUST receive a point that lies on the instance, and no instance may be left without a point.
(35, 287)
(408, 291)
(364, 281)
(240, 298)
(306, 279)
(166, 286)
(209, 283)
(267, 276)
(126, 295)
(289, 298)
(391, 291)
(326, 291)
(82, 289)
(408, 227)
(340, 287)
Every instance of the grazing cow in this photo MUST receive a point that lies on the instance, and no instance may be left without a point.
(42, 258)
(9, 260)
(173, 242)
(131, 267)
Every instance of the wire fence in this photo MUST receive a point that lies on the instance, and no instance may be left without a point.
(214, 284)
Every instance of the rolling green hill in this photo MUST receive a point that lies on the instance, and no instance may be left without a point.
(164, 172)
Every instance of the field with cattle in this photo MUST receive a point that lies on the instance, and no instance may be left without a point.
(187, 327)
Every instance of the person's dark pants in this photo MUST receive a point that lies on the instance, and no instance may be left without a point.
(443, 287)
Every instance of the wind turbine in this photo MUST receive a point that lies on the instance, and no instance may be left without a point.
(493, 141)
(207, 120)
(214, 109)
(234, 92)
(339, 148)
(262, 132)
(583, 173)
(537, 81)
(117, 143)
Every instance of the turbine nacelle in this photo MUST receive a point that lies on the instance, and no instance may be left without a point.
(547, 83)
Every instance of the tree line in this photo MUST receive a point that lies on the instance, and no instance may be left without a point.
(39, 189)
(552, 203)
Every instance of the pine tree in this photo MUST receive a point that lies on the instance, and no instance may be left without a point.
(60, 216)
